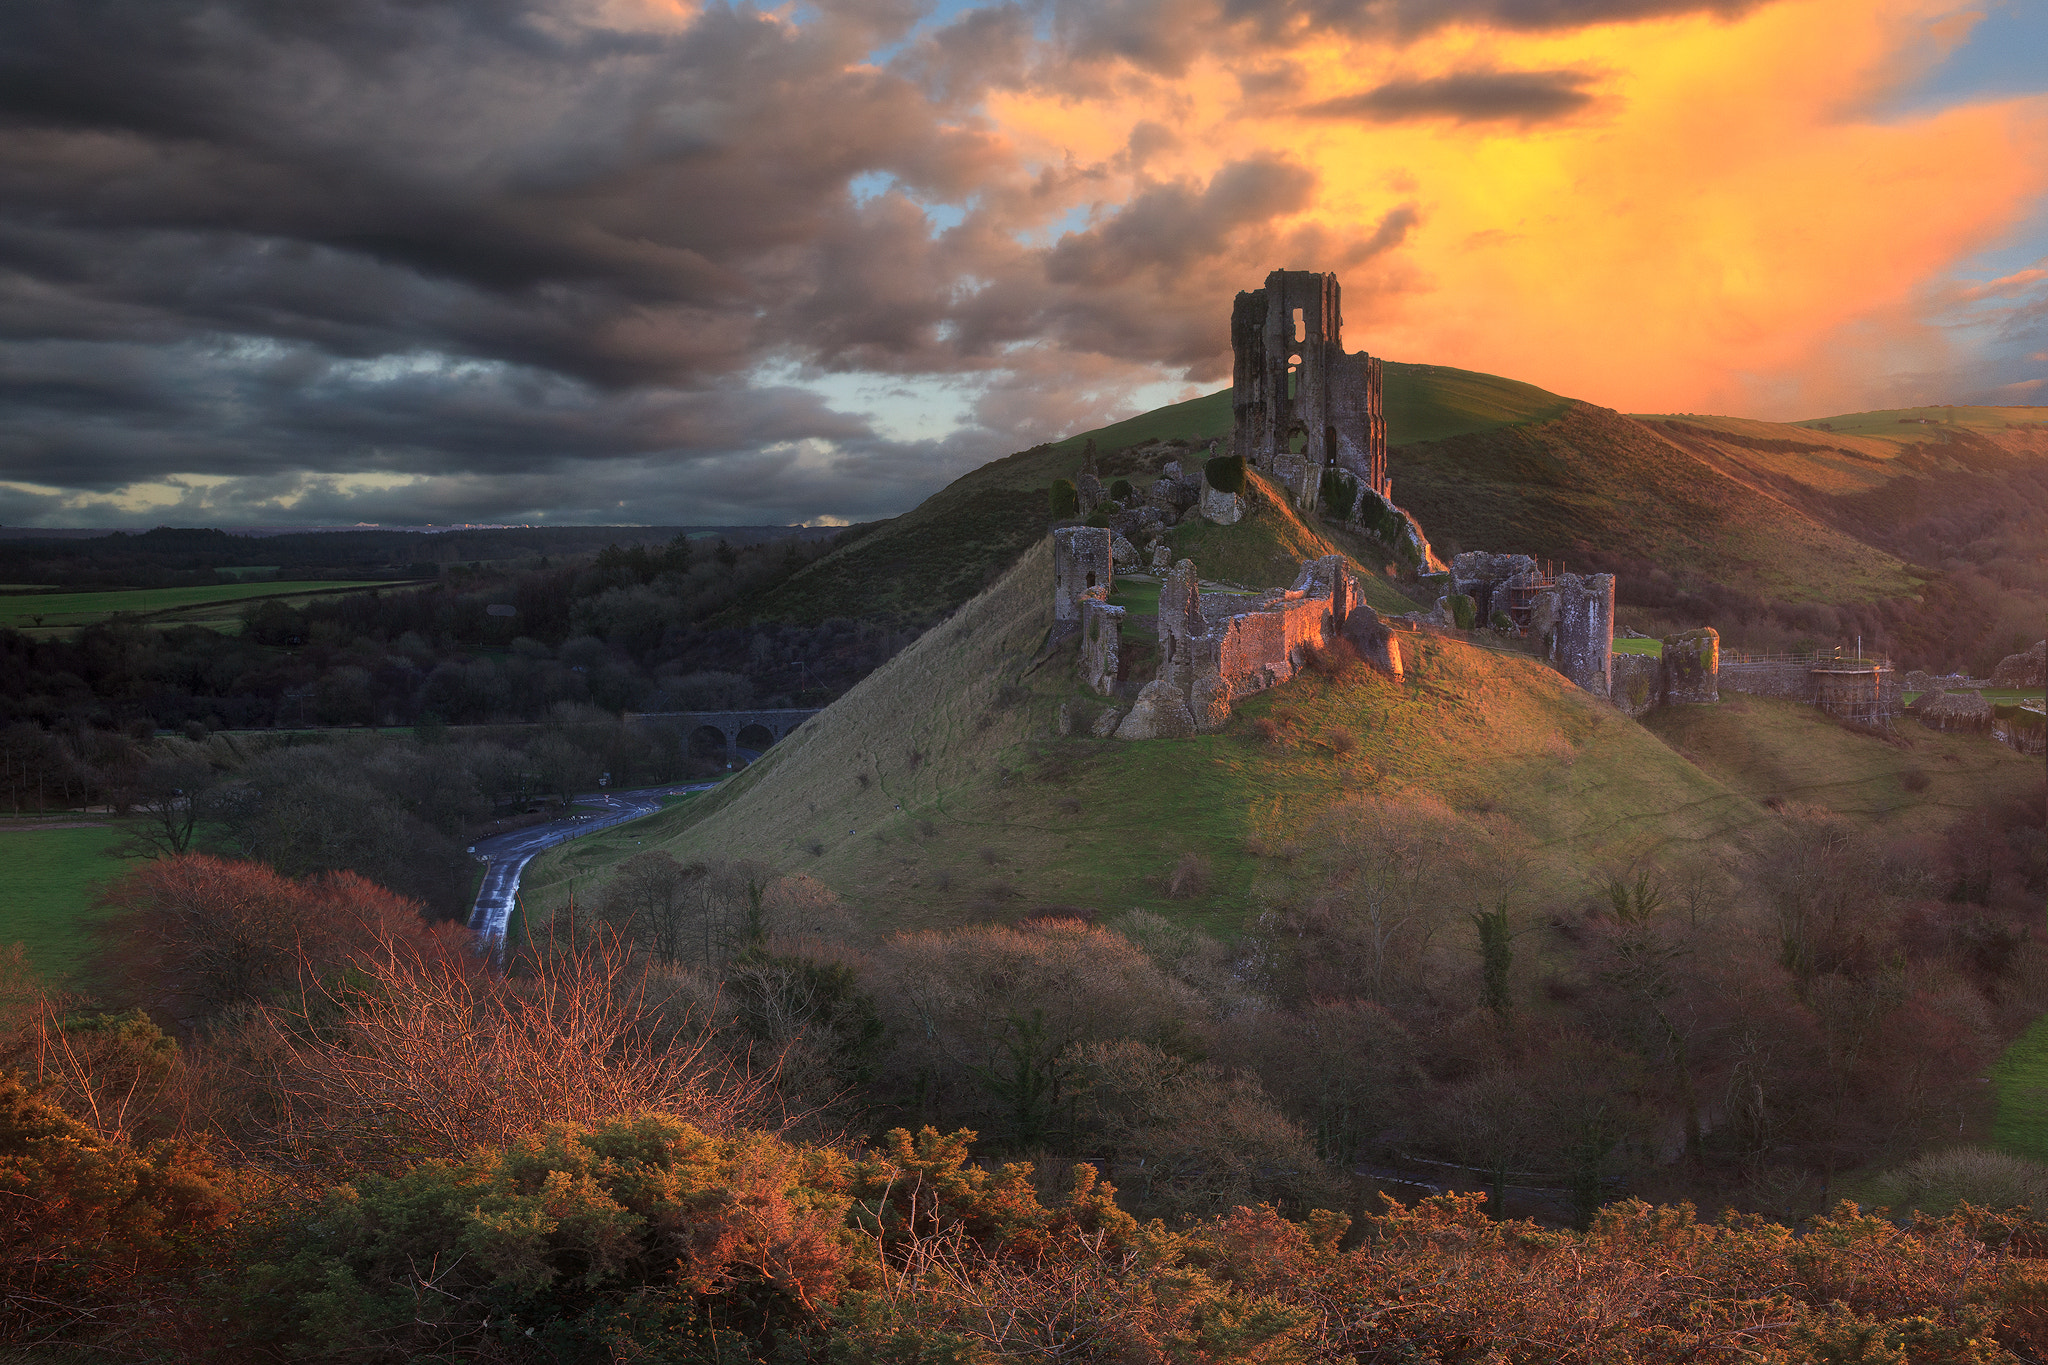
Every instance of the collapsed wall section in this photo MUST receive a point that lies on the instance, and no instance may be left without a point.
(1101, 632)
(1686, 674)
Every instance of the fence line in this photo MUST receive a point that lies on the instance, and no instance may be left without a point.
(1730, 656)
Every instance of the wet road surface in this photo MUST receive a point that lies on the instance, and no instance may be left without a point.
(506, 855)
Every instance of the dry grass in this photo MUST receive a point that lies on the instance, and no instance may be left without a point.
(1189, 878)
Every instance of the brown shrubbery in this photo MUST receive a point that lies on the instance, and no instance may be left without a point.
(1396, 1000)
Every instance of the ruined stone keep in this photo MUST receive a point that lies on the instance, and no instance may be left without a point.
(1299, 403)
(1080, 560)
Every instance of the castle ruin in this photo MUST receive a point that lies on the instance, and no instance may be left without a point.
(1300, 404)
(1310, 417)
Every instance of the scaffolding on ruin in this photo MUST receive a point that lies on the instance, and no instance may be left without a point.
(1519, 601)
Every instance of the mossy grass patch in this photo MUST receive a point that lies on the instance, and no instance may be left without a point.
(51, 878)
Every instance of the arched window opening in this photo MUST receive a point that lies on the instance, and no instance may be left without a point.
(1091, 578)
(1300, 326)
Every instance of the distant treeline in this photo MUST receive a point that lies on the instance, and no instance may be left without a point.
(634, 627)
(172, 556)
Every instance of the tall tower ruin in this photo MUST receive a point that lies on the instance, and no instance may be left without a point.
(1299, 403)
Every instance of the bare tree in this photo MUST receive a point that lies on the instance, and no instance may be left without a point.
(170, 794)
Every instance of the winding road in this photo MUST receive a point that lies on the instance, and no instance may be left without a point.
(506, 855)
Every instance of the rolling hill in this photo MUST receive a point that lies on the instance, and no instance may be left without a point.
(1863, 510)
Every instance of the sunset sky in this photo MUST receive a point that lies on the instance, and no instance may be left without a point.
(412, 261)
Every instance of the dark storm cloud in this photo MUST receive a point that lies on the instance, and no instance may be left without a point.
(541, 256)
(1163, 36)
(1523, 97)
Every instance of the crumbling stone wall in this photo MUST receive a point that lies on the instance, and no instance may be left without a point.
(1687, 674)
(1484, 577)
(1692, 667)
(1292, 377)
(1246, 645)
(1180, 624)
(1576, 616)
(1965, 711)
(1081, 560)
(1790, 679)
(1638, 683)
(1101, 630)
(1867, 692)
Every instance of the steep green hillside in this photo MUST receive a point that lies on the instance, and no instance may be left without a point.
(1435, 402)
(939, 791)
(1594, 482)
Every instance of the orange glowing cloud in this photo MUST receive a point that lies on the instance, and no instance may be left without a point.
(1678, 214)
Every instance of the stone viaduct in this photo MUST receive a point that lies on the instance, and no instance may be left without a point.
(777, 721)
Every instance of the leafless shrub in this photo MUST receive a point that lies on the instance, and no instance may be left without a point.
(1211, 1139)
(864, 780)
(1936, 1184)
(1288, 714)
(926, 829)
(944, 880)
(1071, 805)
(434, 1057)
(1267, 729)
(1341, 741)
(989, 856)
(1189, 878)
(1915, 780)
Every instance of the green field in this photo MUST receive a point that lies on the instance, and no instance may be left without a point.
(2021, 1077)
(1653, 648)
(50, 879)
(68, 610)
(1927, 424)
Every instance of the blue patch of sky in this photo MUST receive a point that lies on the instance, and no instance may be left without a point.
(941, 14)
(2006, 53)
(871, 185)
(1075, 219)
